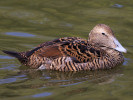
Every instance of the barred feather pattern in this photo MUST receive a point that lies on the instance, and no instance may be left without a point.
(106, 62)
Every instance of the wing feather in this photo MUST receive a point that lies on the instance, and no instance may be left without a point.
(79, 49)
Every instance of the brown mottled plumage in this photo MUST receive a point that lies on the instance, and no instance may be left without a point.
(101, 51)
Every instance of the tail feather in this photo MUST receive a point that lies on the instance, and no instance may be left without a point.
(13, 54)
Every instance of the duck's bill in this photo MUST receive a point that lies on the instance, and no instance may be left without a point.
(119, 47)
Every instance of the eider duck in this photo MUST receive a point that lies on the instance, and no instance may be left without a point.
(101, 51)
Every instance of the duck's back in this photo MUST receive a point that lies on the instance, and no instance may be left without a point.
(48, 51)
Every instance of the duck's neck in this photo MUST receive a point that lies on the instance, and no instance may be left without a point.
(113, 57)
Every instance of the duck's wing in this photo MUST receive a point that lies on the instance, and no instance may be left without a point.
(51, 49)
(83, 51)
(76, 48)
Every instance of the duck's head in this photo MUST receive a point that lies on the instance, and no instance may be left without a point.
(103, 35)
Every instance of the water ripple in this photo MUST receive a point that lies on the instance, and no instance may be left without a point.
(42, 94)
(6, 57)
(20, 34)
(8, 66)
(13, 79)
(117, 6)
(8, 80)
(71, 84)
(125, 63)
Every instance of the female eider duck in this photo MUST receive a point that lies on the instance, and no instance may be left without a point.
(101, 51)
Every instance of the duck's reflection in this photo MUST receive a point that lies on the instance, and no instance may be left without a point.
(54, 78)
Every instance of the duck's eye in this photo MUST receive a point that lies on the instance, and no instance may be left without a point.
(103, 33)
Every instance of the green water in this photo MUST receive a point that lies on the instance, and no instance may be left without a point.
(26, 23)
